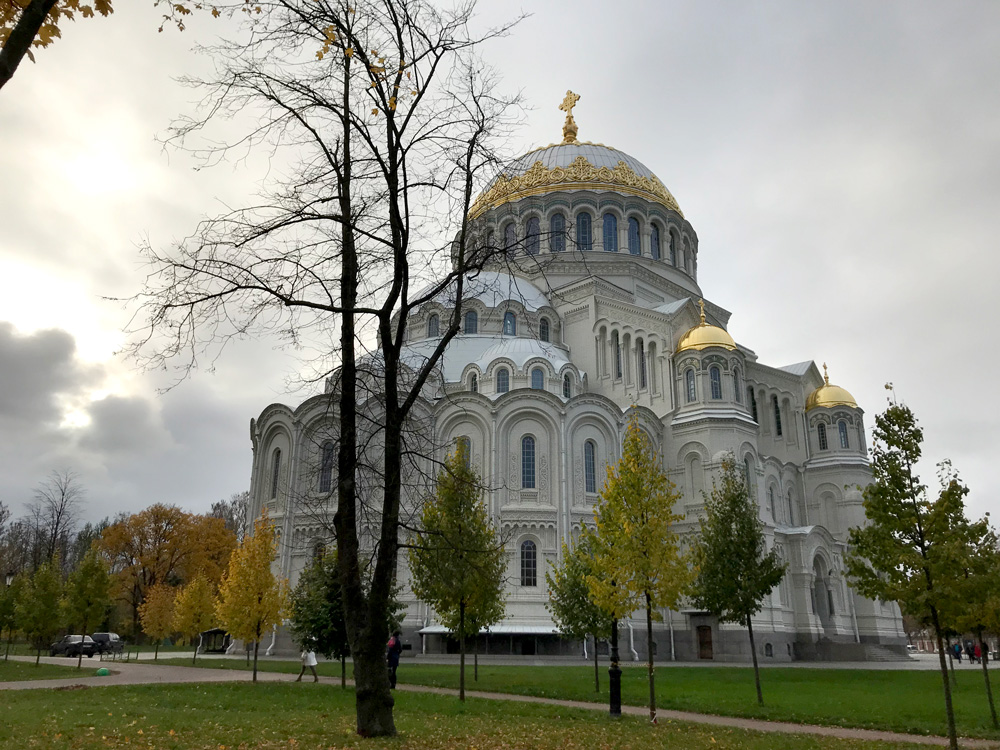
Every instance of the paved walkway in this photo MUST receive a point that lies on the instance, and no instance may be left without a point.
(145, 673)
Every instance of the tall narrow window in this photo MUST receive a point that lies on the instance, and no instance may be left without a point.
(509, 324)
(821, 434)
(567, 385)
(770, 501)
(673, 249)
(590, 466)
(640, 361)
(584, 235)
(543, 329)
(654, 242)
(433, 326)
(747, 473)
(509, 237)
(842, 427)
(715, 376)
(527, 463)
(616, 344)
(503, 380)
(464, 447)
(537, 379)
(529, 564)
(326, 467)
(275, 472)
(753, 404)
(532, 236)
(610, 233)
(472, 322)
(474, 383)
(777, 415)
(737, 385)
(692, 394)
(634, 245)
(557, 239)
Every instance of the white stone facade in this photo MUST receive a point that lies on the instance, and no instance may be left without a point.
(595, 333)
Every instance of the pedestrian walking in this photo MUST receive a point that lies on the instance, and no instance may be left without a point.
(392, 651)
(978, 653)
(957, 650)
(308, 658)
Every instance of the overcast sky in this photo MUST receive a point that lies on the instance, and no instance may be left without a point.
(840, 162)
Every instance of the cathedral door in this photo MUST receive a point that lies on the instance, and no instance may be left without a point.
(704, 641)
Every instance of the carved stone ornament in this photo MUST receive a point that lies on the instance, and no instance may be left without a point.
(580, 175)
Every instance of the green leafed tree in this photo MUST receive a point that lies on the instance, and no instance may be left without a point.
(637, 555)
(912, 549)
(570, 602)
(38, 611)
(735, 571)
(457, 559)
(87, 596)
(317, 612)
(194, 611)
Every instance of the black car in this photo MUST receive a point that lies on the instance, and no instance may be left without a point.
(74, 645)
(108, 643)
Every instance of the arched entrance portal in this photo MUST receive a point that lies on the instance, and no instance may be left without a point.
(822, 594)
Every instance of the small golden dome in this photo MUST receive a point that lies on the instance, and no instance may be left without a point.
(705, 335)
(828, 395)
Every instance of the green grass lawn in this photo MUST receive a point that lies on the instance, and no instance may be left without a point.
(19, 670)
(904, 701)
(273, 715)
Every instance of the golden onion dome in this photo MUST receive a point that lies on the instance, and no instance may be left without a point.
(573, 165)
(828, 396)
(705, 335)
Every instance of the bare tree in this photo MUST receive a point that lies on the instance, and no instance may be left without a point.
(382, 119)
(54, 512)
(234, 512)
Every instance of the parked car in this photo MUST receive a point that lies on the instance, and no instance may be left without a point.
(74, 645)
(108, 643)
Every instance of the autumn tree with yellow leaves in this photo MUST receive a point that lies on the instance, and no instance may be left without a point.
(194, 611)
(252, 600)
(638, 563)
(157, 614)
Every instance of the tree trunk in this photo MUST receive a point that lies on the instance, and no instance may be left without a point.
(948, 708)
(256, 648)
(156, 650)
(194, 658)
(597, 673)
(10, 637)
(614, 675)
(951, 661)
(756, 667)
(461, 650)
(79, 658)
(475, 659)
(649, 656)
(343, 672)
(21, 37)
(38, 657)
(986, 678)
(373, 699)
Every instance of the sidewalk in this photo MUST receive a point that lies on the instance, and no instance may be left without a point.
(144, 673)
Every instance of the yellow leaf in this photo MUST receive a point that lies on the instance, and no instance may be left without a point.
(349, 51)
(215, 13)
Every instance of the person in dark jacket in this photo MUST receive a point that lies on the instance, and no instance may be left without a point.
(392, 651)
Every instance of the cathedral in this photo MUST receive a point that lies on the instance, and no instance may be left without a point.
(608, 319)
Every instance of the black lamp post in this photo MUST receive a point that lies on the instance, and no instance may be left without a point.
(615, 673)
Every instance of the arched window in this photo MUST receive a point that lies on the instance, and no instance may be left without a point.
(472, 322)
(503, 380)
(537, 379)
(737, 385)
(557, 228)
(529, 564)
(654, 242)
(640, 361)
(770, 501)
(509, 237)
(433, 326)
(715, 376)
(842, 427)
(753, 404)
(531, 236)
(616, 344)
(474, 383)
(275, 472)
(611, 233)
(673, 248)
(777, 415)
(584, 236)
(692, 394)
(567, 385)
(543, 329)
(527, 463)
(747, 473)
(634, 246)
(821, 433)
(326, 467)
(509, 324)
(590, 466)
(463, 446)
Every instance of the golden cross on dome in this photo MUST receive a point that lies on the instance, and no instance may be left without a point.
(826, 376)
(569, 127)
(701, 306)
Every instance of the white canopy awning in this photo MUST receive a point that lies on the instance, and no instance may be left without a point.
(503, 629)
